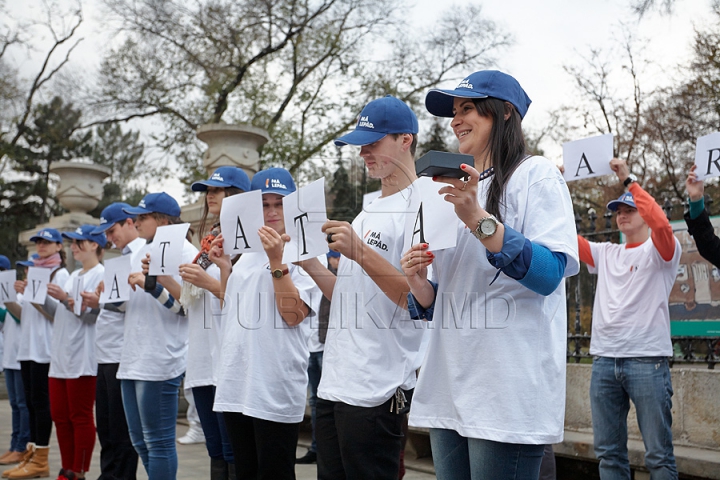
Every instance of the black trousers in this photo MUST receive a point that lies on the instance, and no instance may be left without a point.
(118, 458)
(263, 450)
(358, 443)
(37, 398)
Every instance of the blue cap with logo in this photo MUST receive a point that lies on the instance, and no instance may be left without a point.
(86, 232)
(224, 177)
(49, 234)
(112, 214)
(482, 84)
(28, 263)
(4, 262)
(378, 119)
(155, 203)
(273, 180)
(625, 199)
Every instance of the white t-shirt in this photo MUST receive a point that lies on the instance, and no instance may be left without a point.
(11, 332)
(73, 341)
(263, 364)
(495, 366)
(35, 329)
(372, 345)
(110, 326)
(204, 338)
(630, 313)
(156, 339)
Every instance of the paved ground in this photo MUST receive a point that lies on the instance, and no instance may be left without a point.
(193, 460)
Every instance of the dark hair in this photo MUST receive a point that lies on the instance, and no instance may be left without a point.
(98, 249)
(506, 148)
(413, 145)
(63, 262)
(163, 219)
(229, 192)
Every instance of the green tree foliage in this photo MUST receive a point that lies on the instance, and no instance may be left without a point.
(436, 140)
(51, 137)
(302, 71)
(122, 153)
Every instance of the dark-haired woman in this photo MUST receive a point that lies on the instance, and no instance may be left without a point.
(492, 387)
(34, 356)
(201, 280)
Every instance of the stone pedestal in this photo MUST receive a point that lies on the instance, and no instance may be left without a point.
(228, 145)
(80, 190)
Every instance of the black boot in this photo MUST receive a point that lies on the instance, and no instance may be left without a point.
(218, 469)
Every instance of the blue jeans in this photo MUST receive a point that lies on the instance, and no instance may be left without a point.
(151, 410)
(314, 373)
(20, 415)
(217, 441)
(645, 381)
(460, 458)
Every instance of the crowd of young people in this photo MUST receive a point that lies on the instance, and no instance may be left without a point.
(483, 322)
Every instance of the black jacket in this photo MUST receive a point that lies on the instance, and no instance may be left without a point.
(703, 232)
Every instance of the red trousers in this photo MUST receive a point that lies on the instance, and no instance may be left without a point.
(71, 407)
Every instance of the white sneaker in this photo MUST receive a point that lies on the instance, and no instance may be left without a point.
(193, 435)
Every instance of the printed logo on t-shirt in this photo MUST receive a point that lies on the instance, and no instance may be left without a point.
(373, 239)
(634, 268)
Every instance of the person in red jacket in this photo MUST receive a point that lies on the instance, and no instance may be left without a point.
(630, 340)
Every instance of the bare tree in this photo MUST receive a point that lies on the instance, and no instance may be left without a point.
(302, 71)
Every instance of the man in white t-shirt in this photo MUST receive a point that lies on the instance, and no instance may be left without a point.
(631, 332)
(372, 345)
(118, 458)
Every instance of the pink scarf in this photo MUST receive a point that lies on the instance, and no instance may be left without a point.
(53, 261)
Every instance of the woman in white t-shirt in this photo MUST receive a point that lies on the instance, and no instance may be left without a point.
(492, 386)
(154, 351)
(262, 375)
(73, 369)
(201, 280)
(34, 354)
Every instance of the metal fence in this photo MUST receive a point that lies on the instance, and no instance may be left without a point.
(581, 293)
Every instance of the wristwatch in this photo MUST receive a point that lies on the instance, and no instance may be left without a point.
(486, 227)
(277, 273)
(630, 179)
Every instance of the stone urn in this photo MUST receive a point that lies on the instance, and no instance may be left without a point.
(232, 145)
(80, 189)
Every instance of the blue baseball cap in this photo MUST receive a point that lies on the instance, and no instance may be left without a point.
(112, 214)
(28, 263)
(85, 232)
(625, 199)
(482, 84)
(155, 203)
(5, 262)
(49, 234)
(224, 177)
(378, 119)
(273, 180)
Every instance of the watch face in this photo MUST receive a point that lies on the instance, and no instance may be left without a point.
(277, 273)
(488, 227)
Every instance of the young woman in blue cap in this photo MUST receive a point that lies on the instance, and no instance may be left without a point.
(492, 387)
(34, 356)
(262, 377)
(73, 368)
(152, 363)
(201, 280)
